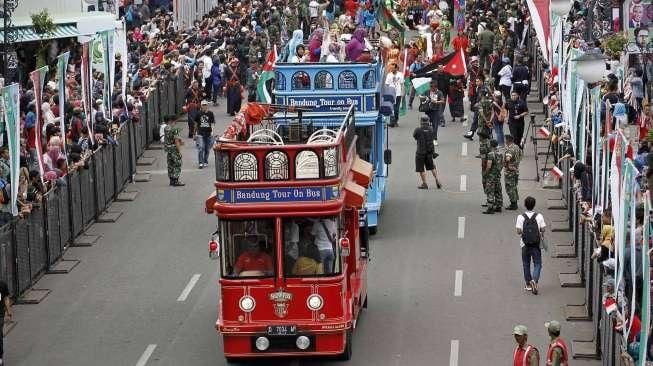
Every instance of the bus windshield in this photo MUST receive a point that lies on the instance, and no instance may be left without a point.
(311, 246)
(247, 248)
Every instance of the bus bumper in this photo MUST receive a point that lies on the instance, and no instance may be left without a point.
(321, 344)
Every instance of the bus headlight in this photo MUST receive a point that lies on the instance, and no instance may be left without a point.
(315, 302)
(247, 303)
(303, 342)
(262, 343)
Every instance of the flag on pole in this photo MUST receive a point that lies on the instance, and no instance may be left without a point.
(86, 89)
(557, 172)
(457, 65)
(262, 91)
(646, 293)
(11, 103)
(38, 78)
(421, 85)
(62, 65)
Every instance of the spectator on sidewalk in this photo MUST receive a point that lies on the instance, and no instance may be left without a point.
(7, 314)
(530, 228)
(524, 354)
(204, 136)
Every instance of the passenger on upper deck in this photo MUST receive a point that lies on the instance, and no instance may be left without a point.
(254, 260)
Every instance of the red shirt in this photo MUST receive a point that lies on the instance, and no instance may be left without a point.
(460, 43)
(250, 261)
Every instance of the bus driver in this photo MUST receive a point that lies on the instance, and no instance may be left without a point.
(254, 261)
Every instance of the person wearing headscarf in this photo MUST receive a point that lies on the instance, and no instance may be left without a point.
(315, 45)
(48, 116)
(52, 156)
(291, 47)
(334, 53)
(356, 46)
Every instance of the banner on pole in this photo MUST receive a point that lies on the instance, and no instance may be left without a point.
(11, 96)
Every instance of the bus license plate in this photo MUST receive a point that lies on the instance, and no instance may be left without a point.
(282, 330)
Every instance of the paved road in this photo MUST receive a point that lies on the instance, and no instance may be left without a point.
(146, 294)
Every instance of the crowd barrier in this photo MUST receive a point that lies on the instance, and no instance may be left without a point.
(608, 343)
(31, 246)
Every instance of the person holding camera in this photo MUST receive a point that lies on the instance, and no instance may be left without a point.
(425, 152)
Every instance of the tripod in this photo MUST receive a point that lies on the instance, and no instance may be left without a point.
(531, 130)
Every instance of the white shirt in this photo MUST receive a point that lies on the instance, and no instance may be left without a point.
(332, 59)
(397, 81)
(208, 64)
(313, 7)
(506, 75)
(322, 240)
(520, 222)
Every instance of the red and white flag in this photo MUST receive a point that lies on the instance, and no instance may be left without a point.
(557, 172)
(457, 65)
(544, 132)
(539, 12)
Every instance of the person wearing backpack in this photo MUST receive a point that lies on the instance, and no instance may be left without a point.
(530, 227)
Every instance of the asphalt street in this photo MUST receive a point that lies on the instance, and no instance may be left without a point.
(445, 283)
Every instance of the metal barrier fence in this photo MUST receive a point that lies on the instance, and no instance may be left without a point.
(32, 245)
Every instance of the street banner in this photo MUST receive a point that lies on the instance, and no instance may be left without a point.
(11, 96)
(581, 125)
(541, 19)
(626, 212)
(62, 66)
(646, 281)
(106, 39)
(121, 46)
(629, 196)
(86, 89)
(596, 145)
(38, 78)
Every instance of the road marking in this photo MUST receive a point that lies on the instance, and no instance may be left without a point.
(458, 284)
(461, 227)
(464, 151)
(453, 357)
(463, 183)
(189, 287)
(146, 355)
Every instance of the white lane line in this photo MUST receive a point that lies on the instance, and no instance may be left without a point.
(453, 357)
(464, 151)
(463, 183)
(461, 227)
(189, 287)
(146, 355)
(458, 283)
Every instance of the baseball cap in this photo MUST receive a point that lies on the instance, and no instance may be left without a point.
(204, 102)
(552, 326)
(520, 330)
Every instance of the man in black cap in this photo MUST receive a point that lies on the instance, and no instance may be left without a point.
(425, 152)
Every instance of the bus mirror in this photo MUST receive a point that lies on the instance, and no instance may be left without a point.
(344, 246)
(387, 156)
(214, 249)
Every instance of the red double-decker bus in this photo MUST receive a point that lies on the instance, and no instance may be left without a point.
(293, 261)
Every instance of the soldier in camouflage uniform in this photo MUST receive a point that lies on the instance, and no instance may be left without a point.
(484, 133)
(172, 144)
(492, 174)
(511, 159)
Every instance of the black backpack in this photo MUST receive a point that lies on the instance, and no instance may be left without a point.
(530, 234)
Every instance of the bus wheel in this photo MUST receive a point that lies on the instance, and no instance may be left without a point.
(346, 354)
(372, 230)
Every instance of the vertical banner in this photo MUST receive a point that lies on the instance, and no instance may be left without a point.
(626, 212)
(630, 198)
(38, 77)
(646, 274)
(62, 66)
(11, 103)
(121, 45)
(106, 39)
(86, 89)
(581, 125)
(595, 123)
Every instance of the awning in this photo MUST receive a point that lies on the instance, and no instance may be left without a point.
(355, 195)
(28, 34)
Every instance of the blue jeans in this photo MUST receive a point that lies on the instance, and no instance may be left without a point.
(474, 125)
(435, 118)
(534, 253)
(204, 145)
(498, 133)
(327, 260)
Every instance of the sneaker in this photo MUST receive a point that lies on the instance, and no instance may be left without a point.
(528, 288)
(435, 142)
(442, 124)
(423, 186)
(469, 136)
(534, 287)
(201, 166)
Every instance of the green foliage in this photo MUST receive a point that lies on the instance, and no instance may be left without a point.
(42, 22)
(614, 44)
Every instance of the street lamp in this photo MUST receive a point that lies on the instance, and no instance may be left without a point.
(590, 67)
(560, 7)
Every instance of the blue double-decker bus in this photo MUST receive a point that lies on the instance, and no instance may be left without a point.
(326, 91)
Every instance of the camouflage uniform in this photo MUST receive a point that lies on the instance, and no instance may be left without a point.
(493, 181)
(484, 142)
(173, 155)
(511, 158)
